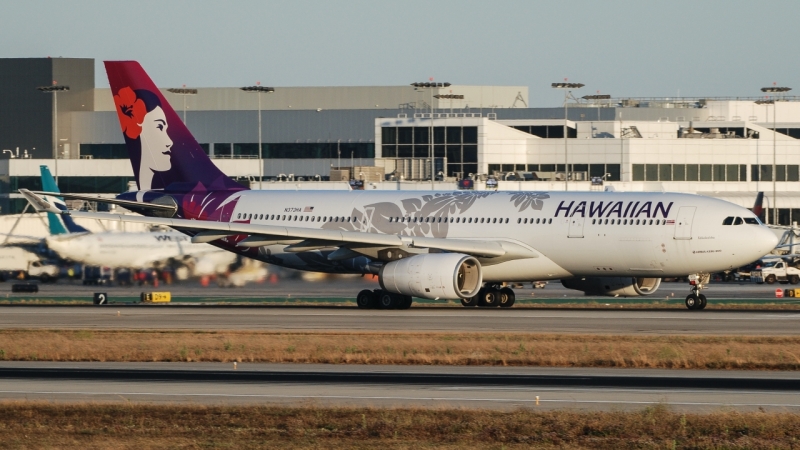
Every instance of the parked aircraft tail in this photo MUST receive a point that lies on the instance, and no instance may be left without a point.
(58, 224)
(163, 152)
(758, 206)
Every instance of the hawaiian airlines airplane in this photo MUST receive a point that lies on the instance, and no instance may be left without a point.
(125, 249)
(436, 245)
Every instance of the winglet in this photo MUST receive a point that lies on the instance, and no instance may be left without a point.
(40, 204)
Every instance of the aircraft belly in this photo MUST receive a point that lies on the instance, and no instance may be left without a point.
(314, 261)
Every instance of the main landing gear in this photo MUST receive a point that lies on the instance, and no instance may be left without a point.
(696, 300)
(491, 295)
(380, 299)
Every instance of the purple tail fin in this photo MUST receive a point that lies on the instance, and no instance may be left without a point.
(163, 152)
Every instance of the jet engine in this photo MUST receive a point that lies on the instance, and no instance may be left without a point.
(434, 275)
(613, 286)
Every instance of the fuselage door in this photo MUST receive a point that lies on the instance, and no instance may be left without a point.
(576, 227)
(683, 224)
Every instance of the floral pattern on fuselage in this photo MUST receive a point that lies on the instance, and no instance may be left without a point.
(382, 217)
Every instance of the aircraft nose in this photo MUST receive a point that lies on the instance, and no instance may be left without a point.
(763, 241)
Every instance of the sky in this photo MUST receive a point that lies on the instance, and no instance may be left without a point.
(623, 48)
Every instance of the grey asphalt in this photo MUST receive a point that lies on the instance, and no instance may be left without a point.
(348, 287)
(615, 321)
(497, 396)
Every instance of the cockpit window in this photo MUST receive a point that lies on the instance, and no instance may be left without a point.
(728, 221)
(738, 221)
(752, 221)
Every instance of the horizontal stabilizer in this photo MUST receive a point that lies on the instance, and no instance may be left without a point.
(113, 201)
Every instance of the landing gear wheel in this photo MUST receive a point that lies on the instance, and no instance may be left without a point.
(489, 297)
(692, 301)
(469, 302)
(405, 302)
(507, 297)
(771, 279)
(387, 300)
(703, 301)
(365, 299)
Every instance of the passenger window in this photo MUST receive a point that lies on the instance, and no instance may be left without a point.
(738, 221)
(551, 221)
(728, 221)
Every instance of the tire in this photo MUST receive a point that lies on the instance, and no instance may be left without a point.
(44, 278)
(470, 302)
(489, 298)
(406, 302)
(770, 279)
(387, 301)
(703, 302)
(692, 301)
(794, 279)
(365, 299)
(507, 297)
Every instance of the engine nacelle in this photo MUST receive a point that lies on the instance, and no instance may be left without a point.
(434, 275)
(613, 286)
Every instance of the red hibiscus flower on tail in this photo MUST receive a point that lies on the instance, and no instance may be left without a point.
(131, 111)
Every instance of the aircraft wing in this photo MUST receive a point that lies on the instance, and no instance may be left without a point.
(304, 239)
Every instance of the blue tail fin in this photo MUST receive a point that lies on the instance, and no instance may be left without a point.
(55, 221)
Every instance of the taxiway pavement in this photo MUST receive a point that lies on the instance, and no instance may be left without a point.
(259, 318)
(381, 386)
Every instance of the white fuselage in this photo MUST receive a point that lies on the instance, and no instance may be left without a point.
(569, 234)
(125, 249)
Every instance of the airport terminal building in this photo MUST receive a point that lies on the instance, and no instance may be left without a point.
(319, 137)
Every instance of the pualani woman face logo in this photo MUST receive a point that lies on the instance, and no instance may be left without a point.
(156, 143)
(145, 126)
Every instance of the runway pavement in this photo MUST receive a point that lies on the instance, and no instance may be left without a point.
(618, 321)
(489, 388)
(347, 288)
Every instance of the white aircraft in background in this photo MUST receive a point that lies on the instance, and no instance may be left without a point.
(436, 245)
(135, 250)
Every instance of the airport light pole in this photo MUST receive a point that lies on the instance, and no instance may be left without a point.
(597, 97)
(258, 89)
(567, 88)
(774, 90)
(54, 89)
(431, 85)
(183, 92)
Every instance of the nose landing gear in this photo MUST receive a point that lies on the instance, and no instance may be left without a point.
(696, 300)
